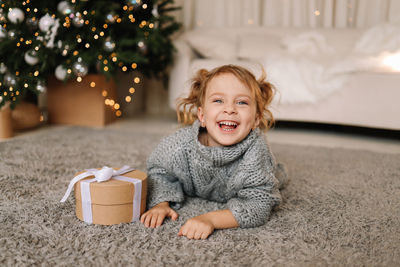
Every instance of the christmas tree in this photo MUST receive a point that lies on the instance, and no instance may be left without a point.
(70, 39)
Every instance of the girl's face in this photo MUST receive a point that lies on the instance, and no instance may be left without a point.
(229, 111)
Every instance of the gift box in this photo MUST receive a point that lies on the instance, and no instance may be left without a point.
(6, 130)
(120, 198)
(81, 103)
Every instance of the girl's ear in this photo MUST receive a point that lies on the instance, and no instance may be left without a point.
(256, 122)
(200, 116)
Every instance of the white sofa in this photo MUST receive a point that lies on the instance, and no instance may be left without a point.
(324, 75)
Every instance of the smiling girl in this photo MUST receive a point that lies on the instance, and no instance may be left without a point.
(222, 156)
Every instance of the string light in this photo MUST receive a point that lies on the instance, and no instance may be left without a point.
(104, 93)
(128, 99)
(92, 84)
(116, 106)
(136, 80)
(132, 90)
(124, 68)
(79, 79)
(134, 65)
(118, 113)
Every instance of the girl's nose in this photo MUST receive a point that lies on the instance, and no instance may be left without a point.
(230, 109)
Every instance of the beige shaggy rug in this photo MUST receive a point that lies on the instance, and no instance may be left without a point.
(341, 208)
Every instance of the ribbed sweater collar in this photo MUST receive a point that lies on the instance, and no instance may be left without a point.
(220, 156)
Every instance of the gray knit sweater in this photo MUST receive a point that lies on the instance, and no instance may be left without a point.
(241, 175)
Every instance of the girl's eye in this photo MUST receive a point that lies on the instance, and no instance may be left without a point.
(242, 103)
(217, 101)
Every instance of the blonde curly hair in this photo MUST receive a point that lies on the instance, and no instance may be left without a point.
(262, 90)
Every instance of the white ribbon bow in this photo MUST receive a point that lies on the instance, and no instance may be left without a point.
(102, 175)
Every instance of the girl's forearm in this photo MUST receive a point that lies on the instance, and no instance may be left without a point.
(221, 219)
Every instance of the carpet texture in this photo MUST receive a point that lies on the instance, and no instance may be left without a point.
(341, 208)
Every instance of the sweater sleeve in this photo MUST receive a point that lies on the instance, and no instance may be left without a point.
(258, 191)
(163, 182)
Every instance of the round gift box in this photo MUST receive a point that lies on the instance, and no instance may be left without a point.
(112, 201)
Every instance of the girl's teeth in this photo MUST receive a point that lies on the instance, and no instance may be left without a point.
(227, 125)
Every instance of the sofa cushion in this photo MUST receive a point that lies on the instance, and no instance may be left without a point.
(213, 43)
(319, 44)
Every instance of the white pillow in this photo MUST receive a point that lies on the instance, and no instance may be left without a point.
(213, 44)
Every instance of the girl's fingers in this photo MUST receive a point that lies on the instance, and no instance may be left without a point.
(144, 216)
(197, 235)
(160, 220)
(204, 235)
(147, 220)
(154, 220)
(173, 214)
(183, 230)
(190, 234)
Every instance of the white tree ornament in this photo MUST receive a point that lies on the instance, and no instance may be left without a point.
(46, 22)
(16, 15)
(61, 72)
(31, 58)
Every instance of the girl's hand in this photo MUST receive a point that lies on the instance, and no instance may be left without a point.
(156, 215)
(199, 227)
